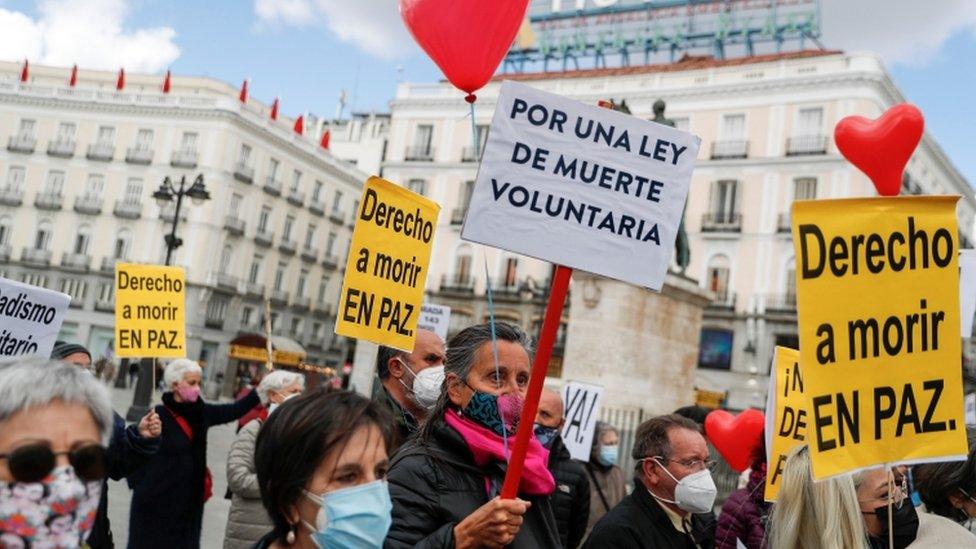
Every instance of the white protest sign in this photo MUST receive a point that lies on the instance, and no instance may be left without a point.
(970, 404)
(582, 403)
(30, 319)
(581, 186)
(435, 318)
(967, 290)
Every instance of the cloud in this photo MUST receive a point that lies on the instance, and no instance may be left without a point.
(373, 26)
(904, 32)
(86, 32)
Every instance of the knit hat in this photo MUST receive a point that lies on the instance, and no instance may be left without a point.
(63, 349)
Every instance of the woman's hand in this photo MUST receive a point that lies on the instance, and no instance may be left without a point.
(150, 426)
(494, 524)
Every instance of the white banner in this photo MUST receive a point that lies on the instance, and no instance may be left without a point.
(581, 186)
(435, 318)
(30, 319)
(582, 403)
(967, 290)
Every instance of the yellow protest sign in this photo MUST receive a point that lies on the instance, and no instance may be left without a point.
(878, 301)
(150, 311)
(786, 415)
(383, 288)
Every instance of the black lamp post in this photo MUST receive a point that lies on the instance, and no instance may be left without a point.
(165, 194)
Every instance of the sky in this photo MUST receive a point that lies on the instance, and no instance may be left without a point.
(307, 51)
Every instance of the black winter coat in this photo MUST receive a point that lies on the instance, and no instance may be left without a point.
(435, 484)
(571, 500)
(127, 452)
(167, 498)
(638, 522)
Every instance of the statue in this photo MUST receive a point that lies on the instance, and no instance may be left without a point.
(682, 251)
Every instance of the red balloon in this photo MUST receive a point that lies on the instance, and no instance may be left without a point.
(466, 38)
(881, 148)
(735, 437)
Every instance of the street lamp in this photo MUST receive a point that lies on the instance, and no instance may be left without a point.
(164, 195)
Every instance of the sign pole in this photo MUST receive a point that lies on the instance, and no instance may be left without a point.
(547, 338)
(891, 499)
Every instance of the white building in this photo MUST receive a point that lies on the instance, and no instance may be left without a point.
(77, 173)
(766, 124)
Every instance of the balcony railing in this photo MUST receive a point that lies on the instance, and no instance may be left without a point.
(309, 255)
(330, 261)
(226, 281)
(799, 145)
(300, 302)
(106, 304)
(61, 149)
(336, 216)
(184, 159)
(457, 284)
(738, 148)
(272, 186)
(264, 238)
(22, 143)
(317, 207)
(213, 320)
(234, 225)
(723, 300)
(11, 197)
(168, 213)
(127, 210)
(254, 289)
(784, 223)
(287, 246)
(76, 262)
(502, 287)
(35, 257)
(108, 264)
(89, 205)
(785, 302)
(279, 297)
(243, 173)
(5, 252)
(296, 198)
(722, 222)
(457, 215)
(419, 153)
(48, 201)
(468, 154)
(139, 156)
(101, 151)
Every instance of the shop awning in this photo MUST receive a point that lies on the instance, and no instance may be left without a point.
(253, 347)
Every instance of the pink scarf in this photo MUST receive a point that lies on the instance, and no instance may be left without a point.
(487, 446)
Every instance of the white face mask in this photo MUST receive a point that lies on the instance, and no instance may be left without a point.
(695, 493)
(426, 385)
(274, 405)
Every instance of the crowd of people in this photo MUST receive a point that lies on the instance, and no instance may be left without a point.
(421, 464)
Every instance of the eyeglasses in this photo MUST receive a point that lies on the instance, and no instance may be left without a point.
(35, 461)
(693, 464)
(898, 497)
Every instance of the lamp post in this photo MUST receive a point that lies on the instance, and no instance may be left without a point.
(164, 195)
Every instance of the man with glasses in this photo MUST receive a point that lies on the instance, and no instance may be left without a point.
(671, 505)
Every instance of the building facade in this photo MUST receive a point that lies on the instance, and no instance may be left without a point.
(766, 125)
(78, 170)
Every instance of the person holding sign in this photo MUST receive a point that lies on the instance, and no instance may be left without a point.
(169, 492)
(445, 482)
(743, 517)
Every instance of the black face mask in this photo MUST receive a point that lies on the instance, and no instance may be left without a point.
(904, 524)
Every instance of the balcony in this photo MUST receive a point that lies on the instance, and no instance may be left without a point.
(322, 310)
(22, 143)
(330, 262)
(784, 223)
(225, 281)
(108, 264)
(48, 201)
(167, 214)
(457, 215)
(264, 238)
(36, 258)
(730, 148)
(11, 197)
(419, 153)
(139, 156)
(272, 186)
(61, 149)
(317, 207)
(724, 300)
(106, 304)
(309, 255)
(76, 262)
(213, 320)
(784, 303)
(278, 297)
(127, 210)
(721, 222)
(233, 225)
(296, 198)
(336, 216)
(184, 159)
(802, 145)
(253, 289)
(457, 284)
(506, 289)
(287, 246)
(103, 152)
(243, 173)
(5, 252)
(468, 154)
(88, 205)
(300, 302)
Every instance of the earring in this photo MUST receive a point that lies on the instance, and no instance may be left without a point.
(290, 536)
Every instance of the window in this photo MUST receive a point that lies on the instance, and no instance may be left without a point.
(316, 330)
(26, 128)
(42, 239)
(5, 231)
(809, 121)
(263, 219)
(189, 142)
(279, 279)
(245, 157)
(274, 320)
(317, 191)
(273, 166)
(790, 293)
(733, 127)
(94, 187)
(462, 264)
(330, 244)
(106, 292)
(133, 190)
(418, 186)
(54, 184)
(718, 278)
(511, 272)
(286, 230)
(255, 271)
(296, 181)
(82, 240)
(466, 193)
(34, 279)
(246, 315)
(682, 123)
(310, 237)
(302, 282)
(225, 256)
(323, 289)
(355, 209)
(422, 139)
(123, 242)
(723, 199)
(296, 326)
(234, 206)
(482, 131)
(804, 188)
(337, 202)
(66, 132)
(144, 139)
(15, 178)
(105, 136)
(216, 309)
(715, 349)
(74, 287)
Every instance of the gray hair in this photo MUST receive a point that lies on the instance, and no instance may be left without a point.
(651, 438)
(177, 370)
(34, 383)
(277, 381)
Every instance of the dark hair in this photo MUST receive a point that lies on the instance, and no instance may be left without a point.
(297, 438)
(383, 357)
(651, 438)
(694, 413)
(758, 457)
(935, 482)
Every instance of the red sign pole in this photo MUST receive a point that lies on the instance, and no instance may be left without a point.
(547, 338)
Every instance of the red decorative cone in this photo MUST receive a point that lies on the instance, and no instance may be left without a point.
(300, 124)
(166, 83)
(324, 143)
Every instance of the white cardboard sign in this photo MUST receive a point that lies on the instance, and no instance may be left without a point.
(30, 319)
(970, 405)
(581, 186)
(967, 290)
(582, 404)
(435, 318)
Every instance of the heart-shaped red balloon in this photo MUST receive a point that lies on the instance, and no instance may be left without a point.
(880, 148)
(735, 437)
(466, 38)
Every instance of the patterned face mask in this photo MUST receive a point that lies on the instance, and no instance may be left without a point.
(500, 413)
(58, 511)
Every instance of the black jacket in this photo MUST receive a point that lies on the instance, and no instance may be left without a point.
(435, 484)
(571, 500)
(406, 425)
(638, 522)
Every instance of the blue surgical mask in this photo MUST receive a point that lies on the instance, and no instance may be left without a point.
(608, 455)
(352, 517)
(545, 435)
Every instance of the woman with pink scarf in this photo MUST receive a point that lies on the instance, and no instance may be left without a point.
(445, 482)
